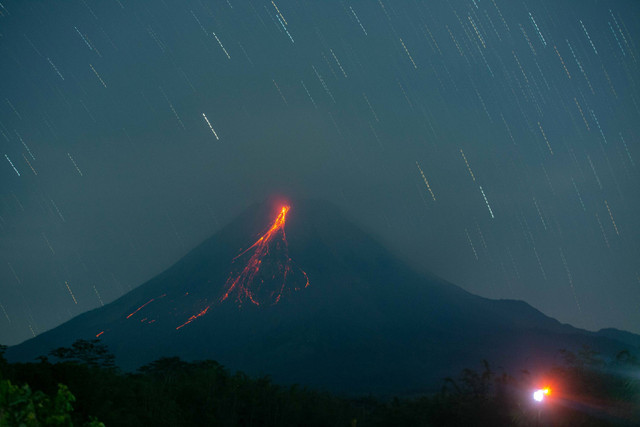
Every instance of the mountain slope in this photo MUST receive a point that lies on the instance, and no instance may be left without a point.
(299, 292)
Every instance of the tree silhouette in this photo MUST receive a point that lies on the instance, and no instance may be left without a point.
(90, 352)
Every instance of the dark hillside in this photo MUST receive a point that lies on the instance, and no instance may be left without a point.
(308, 297)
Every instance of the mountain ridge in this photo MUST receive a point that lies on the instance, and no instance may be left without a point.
(363, 313)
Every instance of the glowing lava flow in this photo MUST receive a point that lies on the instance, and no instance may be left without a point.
(141, 307)
(264, 277)
(145, 304)
(249, 283)
(194, 317)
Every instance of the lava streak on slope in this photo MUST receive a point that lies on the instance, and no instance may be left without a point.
(141, 307)
(262, 273)
(263, 277)
(145, 304)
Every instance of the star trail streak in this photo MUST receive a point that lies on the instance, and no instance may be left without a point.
(487, 202)
(210, 127)
(426, 182)
(12, 165)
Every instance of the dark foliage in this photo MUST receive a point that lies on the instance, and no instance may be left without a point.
(91, 352)
(588, 390)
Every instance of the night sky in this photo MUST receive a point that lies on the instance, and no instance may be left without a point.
(495, 143)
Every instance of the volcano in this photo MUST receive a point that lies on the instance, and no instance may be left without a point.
(297, 291)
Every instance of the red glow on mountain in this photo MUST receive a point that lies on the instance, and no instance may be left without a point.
(264, 276)
(145, 304)
(141, 307)
(262, 273)
(194, 317)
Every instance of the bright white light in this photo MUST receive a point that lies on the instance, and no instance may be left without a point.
(538, 395)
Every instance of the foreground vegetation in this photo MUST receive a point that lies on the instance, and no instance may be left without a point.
(84, 388)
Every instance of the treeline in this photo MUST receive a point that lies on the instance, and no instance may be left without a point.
(83, 387)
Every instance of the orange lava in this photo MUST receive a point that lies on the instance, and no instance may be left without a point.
(194, 317)
(141, 307)
(247, 285)
(145, 304)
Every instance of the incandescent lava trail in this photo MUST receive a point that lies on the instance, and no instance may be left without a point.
(263, 273)
(269, 269)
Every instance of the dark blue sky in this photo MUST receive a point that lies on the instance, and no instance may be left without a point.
(495, 143)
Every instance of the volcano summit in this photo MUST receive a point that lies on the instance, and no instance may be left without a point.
(262, 273)
(272, 250)
(323, 304)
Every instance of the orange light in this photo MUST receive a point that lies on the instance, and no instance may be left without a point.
(194, 317)
(141, 307)
(246, 285)
(144, 305)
